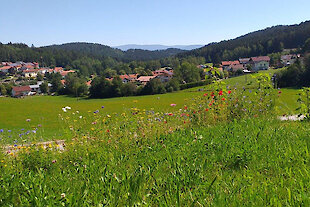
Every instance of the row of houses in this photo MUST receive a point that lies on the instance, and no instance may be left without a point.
(253, 64)
(31, 69)
(18, 91)
(163, 74)
(257, 63)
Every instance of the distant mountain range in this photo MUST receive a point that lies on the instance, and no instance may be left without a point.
(157, 47)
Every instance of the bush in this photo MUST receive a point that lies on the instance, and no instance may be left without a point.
(195, 84)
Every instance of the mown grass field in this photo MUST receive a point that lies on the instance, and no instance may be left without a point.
(216, 147)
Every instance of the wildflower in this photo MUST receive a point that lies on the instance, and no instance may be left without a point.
(28, 120)
(172, 104)
(170, 114)
(250, 91)
(229, 92)
(64, 109)
(1, 130)
(221, 93)
(9, 130)
(207, 109)
(97, 111)
(108, 131)
(39, 125)
(34, 131)
(279, 92)
(80, 117)
(102, 107)
(68, 107)
(108, 116)
(53, 161)
(62, 195)
(223, 99)
(205, 94)
(94, 122)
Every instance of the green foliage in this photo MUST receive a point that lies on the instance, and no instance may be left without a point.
(154, 86)
(3, 91)
(44, 87)
(75, 85)
(304, 102)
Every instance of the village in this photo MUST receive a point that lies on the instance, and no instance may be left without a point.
(21, 74)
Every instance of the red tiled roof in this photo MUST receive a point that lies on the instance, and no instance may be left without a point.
(5, 67)
(29, 66)
(227, 63)
(21, 88)
(145, 78)
(31, 71)
(88, 83)
(237, 67)
(64, 73)
(260, 58)
(58, 69)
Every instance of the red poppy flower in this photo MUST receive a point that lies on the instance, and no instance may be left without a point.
(229, 92)
(185, 107)
(207, 109)
(205, 94)
(221, 93)
(280, 92)
(108, 131)
(223, 99)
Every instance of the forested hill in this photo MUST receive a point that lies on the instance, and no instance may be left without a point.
(93, 49)
(99, 50)
(263, 42)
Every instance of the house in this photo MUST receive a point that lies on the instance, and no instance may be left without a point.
(19, 91)
(165, 77)
(128, 78)
(58, 69)
(65, 73)
(226, 64)
(145, 79)
(244, 61)
(5, 69)
(235, 68)
(260, 63)
(289, 59)
(88, 83)
(36, 88)
(31, 73)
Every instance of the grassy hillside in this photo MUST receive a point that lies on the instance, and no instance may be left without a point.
(44, 110)
(217, 147)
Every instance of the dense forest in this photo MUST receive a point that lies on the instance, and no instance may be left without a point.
(263, 42)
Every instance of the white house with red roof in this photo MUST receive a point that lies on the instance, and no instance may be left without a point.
(31, 73)
(145, 79)
(226, 65)
(260, 63)
(19, 91)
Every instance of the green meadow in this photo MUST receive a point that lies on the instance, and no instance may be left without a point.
(217, 145)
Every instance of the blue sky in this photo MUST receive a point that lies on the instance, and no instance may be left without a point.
(117, 22)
